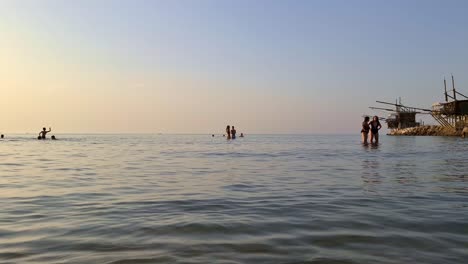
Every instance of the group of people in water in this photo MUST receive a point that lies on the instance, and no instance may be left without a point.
(370, 126)
(231, 132)
(42, 134)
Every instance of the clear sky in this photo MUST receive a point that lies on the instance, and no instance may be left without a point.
(195, 66)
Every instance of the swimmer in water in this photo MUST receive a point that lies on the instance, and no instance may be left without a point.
(375, 126)
(43, 133)
(242, 135)
(464, 132)
(2, 136)
(228, 132)
(233, 133)
(53, 137)
(365, 130)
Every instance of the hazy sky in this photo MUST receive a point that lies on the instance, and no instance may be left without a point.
(195, 66)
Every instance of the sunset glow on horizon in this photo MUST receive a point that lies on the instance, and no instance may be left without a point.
(197, 66)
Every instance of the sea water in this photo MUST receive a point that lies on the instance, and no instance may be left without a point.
(258, 199)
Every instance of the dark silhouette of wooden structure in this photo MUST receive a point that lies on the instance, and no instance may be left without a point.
(451, 114)
(401, 116)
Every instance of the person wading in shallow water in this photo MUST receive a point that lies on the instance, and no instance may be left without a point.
(43, 133)
(375, 126)
(365, 130)
(465, 132)
(228, 132)
(233, 133)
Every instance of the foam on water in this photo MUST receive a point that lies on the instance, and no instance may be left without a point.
(258, 199)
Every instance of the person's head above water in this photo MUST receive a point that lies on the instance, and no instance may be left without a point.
(2, 136)
(53, 137)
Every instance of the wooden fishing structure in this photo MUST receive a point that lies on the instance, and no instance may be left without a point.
(453, 113)
(401, 116)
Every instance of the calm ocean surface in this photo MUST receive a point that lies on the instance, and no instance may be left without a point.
(260, 199)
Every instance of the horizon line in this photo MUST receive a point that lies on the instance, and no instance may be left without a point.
(160, 133)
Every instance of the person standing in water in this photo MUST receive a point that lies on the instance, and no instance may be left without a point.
(228, 132)
(365, 130)
(465, 132)
(375, 126)
(43, 133)
(233, 133)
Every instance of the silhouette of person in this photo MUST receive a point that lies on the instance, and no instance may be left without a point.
(464, 132)
(365, 130)
(375, 126)
(233, 133)
(44, 132)
(228, 132)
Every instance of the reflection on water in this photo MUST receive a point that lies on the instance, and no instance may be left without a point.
(259, 199)
(371, 174)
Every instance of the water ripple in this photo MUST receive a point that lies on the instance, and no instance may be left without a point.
(120, 199)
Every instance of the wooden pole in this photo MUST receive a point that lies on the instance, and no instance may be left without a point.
(453, 87)
(445, 88)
